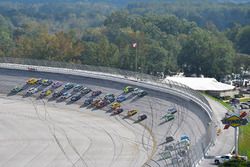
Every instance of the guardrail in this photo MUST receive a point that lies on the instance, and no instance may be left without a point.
(126, 76)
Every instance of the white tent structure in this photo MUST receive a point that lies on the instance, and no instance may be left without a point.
(202, 84)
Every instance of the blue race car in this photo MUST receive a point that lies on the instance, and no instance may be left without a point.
(121, 98)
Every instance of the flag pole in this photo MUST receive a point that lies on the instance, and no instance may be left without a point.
(136, 58)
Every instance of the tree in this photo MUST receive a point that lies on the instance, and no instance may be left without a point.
(243, 40)
(207, 54)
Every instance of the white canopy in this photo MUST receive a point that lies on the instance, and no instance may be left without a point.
(203, 84)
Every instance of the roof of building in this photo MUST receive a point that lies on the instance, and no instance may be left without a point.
(202, 84)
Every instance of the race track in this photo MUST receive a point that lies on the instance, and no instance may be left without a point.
(46, 133)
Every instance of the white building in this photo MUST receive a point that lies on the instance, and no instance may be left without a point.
(209, 85)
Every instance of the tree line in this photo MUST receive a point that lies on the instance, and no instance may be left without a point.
(165, 43)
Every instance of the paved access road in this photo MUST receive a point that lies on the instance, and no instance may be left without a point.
(75, 128)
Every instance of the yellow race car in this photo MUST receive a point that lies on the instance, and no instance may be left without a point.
(45, 93)
(32, 81)
(132, 112)
(115, 105)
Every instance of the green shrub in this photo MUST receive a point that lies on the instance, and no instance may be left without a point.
(235, 163)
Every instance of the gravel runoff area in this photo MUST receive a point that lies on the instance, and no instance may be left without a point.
(56, 134)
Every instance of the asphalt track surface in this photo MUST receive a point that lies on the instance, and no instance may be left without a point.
(48, 133)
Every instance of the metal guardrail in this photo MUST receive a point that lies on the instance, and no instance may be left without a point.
(197, 152)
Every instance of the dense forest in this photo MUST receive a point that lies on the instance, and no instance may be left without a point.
(208, 38)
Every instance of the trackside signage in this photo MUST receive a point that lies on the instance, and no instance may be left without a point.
(234, 121)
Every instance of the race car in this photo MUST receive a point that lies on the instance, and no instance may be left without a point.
(78, 88)
(32, 91)
(46, 82)
(101, 104)
(65, 95)
(96, 93)
(68, 86)
(169, 139)
(128, 89)
(172, 110)
(121, 98)
(118, 111)
(16, 89)
(167, 117)
(184, 137)
(141, 117)
(95, 102)
(115, 105)
(142, 93)
(56, 84)
(45, 93)
(76, 97)
(57, 94)
(88, 101)
(136, 91)
(110, 98)
(85, 91)
(132, 112)
(32, 81)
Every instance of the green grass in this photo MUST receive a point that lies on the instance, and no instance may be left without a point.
(245, 99)
(227, 105)
(244, 140)
(244, 135)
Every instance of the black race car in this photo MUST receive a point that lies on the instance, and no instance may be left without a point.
(142, 117)
(142, 93)
(88, 101)
(76, 96)
(96, 93)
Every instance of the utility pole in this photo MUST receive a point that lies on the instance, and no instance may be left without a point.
(236, 140)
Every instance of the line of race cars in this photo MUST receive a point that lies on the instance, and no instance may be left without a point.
(74, 92)
(177, 149)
